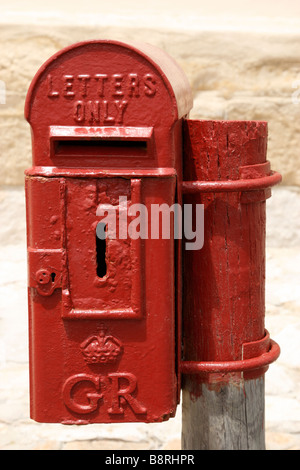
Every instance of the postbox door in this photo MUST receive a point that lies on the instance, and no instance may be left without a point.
(102, 327)
(104, 263)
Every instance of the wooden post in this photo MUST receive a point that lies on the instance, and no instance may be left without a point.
(228, 416)
(224, 286)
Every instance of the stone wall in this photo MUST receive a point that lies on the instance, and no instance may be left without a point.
(250, 73)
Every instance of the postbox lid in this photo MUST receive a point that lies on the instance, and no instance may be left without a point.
(105, 103)
(172, 75)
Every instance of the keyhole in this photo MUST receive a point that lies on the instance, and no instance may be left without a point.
(101, 249)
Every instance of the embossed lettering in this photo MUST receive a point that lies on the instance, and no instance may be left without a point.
(68, 85)
(51, 92)
(106, 86)
(107, 119)
(134, 85)
(150, 84)
(100, 112)
(101, 98)
(79, 112)
(125, 393)
(93, 111)
(117, 85)
(101, 78)
(120, 107)
(85, 393)
(84, 79)
(69, 393)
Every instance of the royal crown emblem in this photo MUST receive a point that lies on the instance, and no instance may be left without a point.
(101, 349)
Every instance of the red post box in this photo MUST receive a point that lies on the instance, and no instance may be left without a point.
(104, 302)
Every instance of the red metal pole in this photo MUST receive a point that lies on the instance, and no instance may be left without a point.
(226, 347)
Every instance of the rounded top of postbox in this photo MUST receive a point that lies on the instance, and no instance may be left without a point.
(101, 82)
